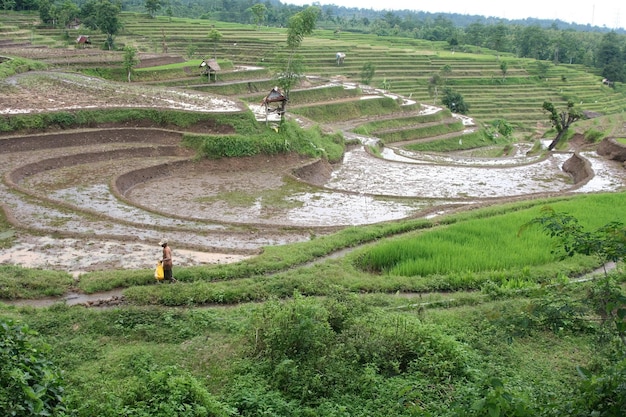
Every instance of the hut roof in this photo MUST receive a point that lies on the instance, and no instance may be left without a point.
(211, 64)
(274, 96)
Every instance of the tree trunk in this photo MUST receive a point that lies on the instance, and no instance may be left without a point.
(557, 139)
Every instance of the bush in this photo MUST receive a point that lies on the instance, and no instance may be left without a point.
(602, 395)
(298, 330)
(19, 65)
(594, 136)
(289, 138)
(454, 101)
(140, 387)
(30, 385)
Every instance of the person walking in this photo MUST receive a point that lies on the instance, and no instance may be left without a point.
(167, 261)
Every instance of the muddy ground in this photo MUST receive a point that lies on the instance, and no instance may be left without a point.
(102, 198)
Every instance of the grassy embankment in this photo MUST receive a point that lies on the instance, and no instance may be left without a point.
(363, 354)
(453, 253)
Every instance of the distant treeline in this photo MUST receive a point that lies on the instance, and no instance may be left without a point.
(550, 40)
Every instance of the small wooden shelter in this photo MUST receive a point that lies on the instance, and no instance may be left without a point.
(274, 102)
(210, 66)
(83, 40)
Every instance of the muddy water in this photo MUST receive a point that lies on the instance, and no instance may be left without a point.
(608, 175)
(371, 175)
(83, 255)
(94, 230)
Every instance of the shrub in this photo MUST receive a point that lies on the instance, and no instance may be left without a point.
(30, 385)
(289, 138)
(19, 65)
(396, 345)
(496, 401)
(602, 394)
(141, 387)
(594, 136)
(297, 330)
(454, 101)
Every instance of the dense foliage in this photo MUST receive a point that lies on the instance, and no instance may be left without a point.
(345, 355)
(18, 65)
(30, 384)
(348, 353)
(289, 137)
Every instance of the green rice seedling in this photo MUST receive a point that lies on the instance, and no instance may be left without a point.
(489, 244)
(472, 140)
(335, 112)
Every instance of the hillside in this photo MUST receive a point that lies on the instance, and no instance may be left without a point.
(403, 65)
(371, 255)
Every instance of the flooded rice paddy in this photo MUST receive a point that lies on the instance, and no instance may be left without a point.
(70, 219)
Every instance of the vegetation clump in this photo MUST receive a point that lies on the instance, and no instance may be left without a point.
(30, 384)
(16, 65)
(289, 137)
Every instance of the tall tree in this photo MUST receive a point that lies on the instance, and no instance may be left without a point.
(46, 11)
(66, 13)
(103, 15)
(561, 121)
(532, 42)
(497, 37)
(300, 25)
(130, 60)
(214, 36)
(437, 81)
(258, 12)
(504, 67)
(610, 58)
(475, 34)
(153, 6)
(7, 4)
(367, 73)
(434, 83)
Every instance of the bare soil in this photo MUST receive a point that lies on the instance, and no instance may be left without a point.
(103, 197)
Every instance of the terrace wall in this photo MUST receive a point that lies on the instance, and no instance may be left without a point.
(612, 149)
(579, 168)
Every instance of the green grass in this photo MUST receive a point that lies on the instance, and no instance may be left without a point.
(477, 139)
(482, 245)
(289, 137)
(417, 133)
(19, 283)
(18, 65)
(91, 118)
(336, 112)
(485, 245)
(399, 122)
(410, 354)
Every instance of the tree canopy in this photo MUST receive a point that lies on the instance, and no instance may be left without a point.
(561, 120)
(103, 15)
